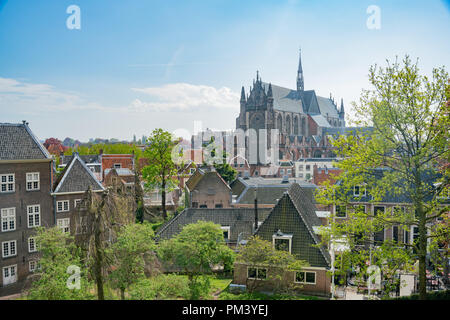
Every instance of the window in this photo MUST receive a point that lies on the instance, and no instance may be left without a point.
(282, 172)
(289, 171)
(9, 274)
(8, 217)
(308, 167)
(191, 170)
(194, 204)
(62, 206)
(341, 211)
(34, 216)
(305, 277)
(81, 227)
(282, 241)
(203, 206)
(378, 236)
(32, 245)
(117, 165)
(395, 233)
(76, 203)
(64, 224)
(7, 182)
(34, 265)
(300, 168)
(9, 248)
(219, 205)
(257, 273)
(226, 232)
(32, 181)
(359, 191)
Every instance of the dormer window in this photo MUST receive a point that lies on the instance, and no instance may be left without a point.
(282, 241)
(117, 165)
(359, 191)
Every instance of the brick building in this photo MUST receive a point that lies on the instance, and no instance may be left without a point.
(26, 179)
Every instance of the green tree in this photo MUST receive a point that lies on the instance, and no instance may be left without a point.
(57, 254)
(409, 140)
(134, 242)
(162, 171)
(161, 287)
(195, 250)
(261, 253)
(226, 171)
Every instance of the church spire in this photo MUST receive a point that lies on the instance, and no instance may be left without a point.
(269, 91)
(342, 112)
(243, 94)
(300, 80)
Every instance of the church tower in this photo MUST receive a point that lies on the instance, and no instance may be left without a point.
(300, 80)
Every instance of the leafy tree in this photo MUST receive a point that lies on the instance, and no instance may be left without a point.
(261, 253)
(58, 252)
(128, 253)
(226, 171)
(162, 171)
(409, 141)
(195, 250)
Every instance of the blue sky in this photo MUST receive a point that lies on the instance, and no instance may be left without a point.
(136, 65)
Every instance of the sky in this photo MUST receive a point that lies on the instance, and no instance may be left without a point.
(136, 65)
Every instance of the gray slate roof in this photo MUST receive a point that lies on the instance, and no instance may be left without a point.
(17, 142)
(285, 99)
(240, 221)
(326, 106)
(77, 177)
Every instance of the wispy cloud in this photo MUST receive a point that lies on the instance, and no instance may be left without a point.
(184, 96)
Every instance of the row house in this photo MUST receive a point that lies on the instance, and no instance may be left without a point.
(26, 179)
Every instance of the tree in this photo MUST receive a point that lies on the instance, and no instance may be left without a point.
(261, 253)
(226, 171)
(58, 253)
(128, 253)
(195, 250)
(409, 141)
(162, 171)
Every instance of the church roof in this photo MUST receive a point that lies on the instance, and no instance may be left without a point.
(326, 106)
(285, 99)
(321, 121)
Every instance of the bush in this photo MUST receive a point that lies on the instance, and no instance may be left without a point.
(162, 287)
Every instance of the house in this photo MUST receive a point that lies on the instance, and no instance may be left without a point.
(92, 161)
(304, 168)
(117, 161)
(26, 178)
(293, 225)
(238, 224)
(267, 191)
(69, 193)
(207, 189)
(120, 178)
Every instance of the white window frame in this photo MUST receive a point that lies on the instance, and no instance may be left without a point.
(30, 241)
(34, 214)
(9, 254)
(117, 166)
(63, 223)
(8, 215)
(360, 187)
(335, 212)
(304, 277)
(63, 205)
(283, 237)
(226, 228)
(9, 271)
(31, 178)
(77, 202)
(36, 264)
(7, 184)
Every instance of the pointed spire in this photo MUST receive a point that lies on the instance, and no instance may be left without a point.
(342, 106)
(243, 94)
(300, 80)
(269, 91)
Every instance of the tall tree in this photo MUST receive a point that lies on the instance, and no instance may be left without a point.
(134, 242)
(409, 141)
(162, 171)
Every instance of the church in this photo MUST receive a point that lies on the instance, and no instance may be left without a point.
(304, 120)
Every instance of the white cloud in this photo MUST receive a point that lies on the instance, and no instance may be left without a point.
(184, 97)
(32, 98)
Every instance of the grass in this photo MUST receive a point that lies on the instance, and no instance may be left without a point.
(263, 296)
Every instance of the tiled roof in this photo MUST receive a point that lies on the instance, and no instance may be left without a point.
(121, 171)
(77, 177)
(89, 158)
(240, 221)
(17, 142)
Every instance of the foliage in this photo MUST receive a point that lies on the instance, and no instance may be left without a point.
(162, 287)
(409, 141)
(436, 295)
(161, 172)
(226, 171)
(262, 296)
(260, 253)
(128, 252)
(195, 250)
(115, 148)
(57, 253)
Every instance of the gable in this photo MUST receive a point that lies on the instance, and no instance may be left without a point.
(285, 217)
